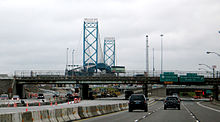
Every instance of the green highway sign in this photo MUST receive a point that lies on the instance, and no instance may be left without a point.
(191, 77)
(168, 77)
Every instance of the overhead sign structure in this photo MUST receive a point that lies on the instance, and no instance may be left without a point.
(168, 77)
(191, 77)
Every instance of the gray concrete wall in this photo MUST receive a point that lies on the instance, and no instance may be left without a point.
(5, 84)
(159, 92)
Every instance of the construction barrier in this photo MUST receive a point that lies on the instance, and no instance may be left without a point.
(76, 113)
(36, 116)
(26, 116)
(59, 115)
(99, 110)
(70, 113)
(63, 114)
(44, 116)
(52, 116)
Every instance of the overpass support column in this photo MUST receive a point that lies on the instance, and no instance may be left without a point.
(20, 90)
(216, 91)
(145, 90)
(84, 91)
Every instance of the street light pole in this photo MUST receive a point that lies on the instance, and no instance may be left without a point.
(67, 57)
(214, 53)
(212, 68)
(161, 53)
(147, 57)
(73, 58)
(153, 63)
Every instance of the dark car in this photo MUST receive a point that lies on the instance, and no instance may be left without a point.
(128, 93)
(172, 102)
(137, 101)
(55, 95)
(40, 96)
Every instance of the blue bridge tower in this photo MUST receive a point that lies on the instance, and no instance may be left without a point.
(90, 41)
(109, 51)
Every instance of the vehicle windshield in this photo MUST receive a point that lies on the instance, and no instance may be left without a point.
(137, 97)
(15, 96)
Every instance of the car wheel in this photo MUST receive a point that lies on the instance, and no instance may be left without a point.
(165, 108)
(178, 108)
(130, 110)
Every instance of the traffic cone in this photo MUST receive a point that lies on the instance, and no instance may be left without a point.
(75, 100)
(26, 109)
(56, 103)
(15, 104)
(39, 103)
(27, 104)
(51, 103)
(79, 99)
(68, 102)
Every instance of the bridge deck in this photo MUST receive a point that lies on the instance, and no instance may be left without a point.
(107, 80)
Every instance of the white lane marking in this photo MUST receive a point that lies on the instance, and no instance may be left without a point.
(207, 107)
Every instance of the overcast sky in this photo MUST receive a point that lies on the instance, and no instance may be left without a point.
(34, 34)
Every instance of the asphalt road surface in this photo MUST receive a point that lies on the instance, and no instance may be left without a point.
(190, 112)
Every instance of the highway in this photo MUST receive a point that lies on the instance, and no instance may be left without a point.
(190, 112)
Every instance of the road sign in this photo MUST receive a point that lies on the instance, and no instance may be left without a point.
(191, 77)
(169, 77)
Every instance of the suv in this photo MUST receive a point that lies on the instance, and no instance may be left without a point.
(172, 102)
(137, 101)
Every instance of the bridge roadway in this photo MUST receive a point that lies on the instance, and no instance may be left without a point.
(106, 80)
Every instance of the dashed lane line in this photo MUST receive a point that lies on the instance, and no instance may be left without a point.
(191, 113)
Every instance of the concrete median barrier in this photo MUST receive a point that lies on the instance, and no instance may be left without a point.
(65, 114)
(16, 117)
(121, 106)
(89, 111)
(103, 109)
(82, 112)
(44, 116)
(36, 116)
(59, 115)
(93, 111)
(26, 116)
(75, 113)
(6, 118)
(99, 110)
(52, 116)
(70, 113)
